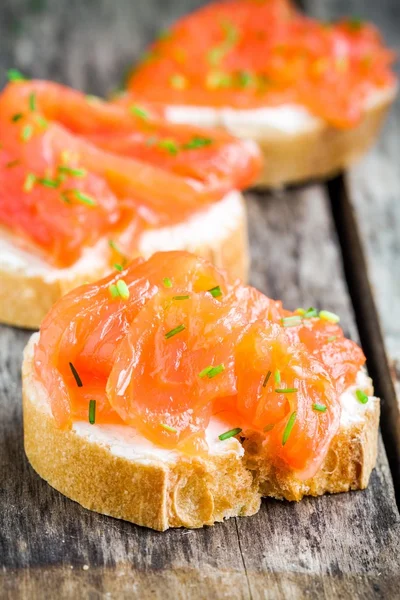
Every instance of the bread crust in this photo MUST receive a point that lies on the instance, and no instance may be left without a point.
(25, 299)
(186, 492)
(320, 151)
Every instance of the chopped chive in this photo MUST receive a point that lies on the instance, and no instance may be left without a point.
(310, 313)
(332, 338)
(362, 396)
(215, 291)
(42, 122)
(123, 289)
(246, 79)
(168, 427)
(286, 390)
(15, 75)
(30, 181)
(329, 316)
(113, 291)
(218, 79)
(211, 371)
(92, 412)
(169, 145)
(139, 112)
(205, 371)
(230, 433)
(13, 163)
(269, 427)
(84, 198)
(268, 375)
(118, 267)
(17, 117)
(197, 142)
(32, 101)
(289, 427)
(26, 133)
(75, 374)
(114, 246)
(173, 332)
(292, 321)
(65, 197)
(215, 371)
(277, 376)
(180, 297)
(319, 407)
(178, 82)
(300, 311)
(72, 171)
(50, 183)
(167, 282)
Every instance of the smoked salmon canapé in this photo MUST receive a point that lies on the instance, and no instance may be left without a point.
(312, 94)
(166, 395)
(86, 185)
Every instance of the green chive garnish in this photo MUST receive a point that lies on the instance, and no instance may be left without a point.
(174, 331)
(197, 142)
(84, 198)
(292, 321)
(167, 282)
(92, 412)
(319, 407)
(277, 376)
(114, 246)
(29, 182)
(286, 390)
(180, 297)
(332, 338)
(14, 75)
(211, 371)
(17, 117)
(168, 427)
(139, 112)
(123, 289)
(289, 427)
(75, 374)
(32, 101)
(268, 375)
(246, 79)
(362, 397)
(26, 133)
(229, 434)
(118, 267)
(50, 183)
(215, 291)
(329, 316)
(310, 313)
(113, 291)
(42, 121)
(300, 311)
(71, 171)
(169, 145)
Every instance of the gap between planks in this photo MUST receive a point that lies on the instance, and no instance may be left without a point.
(369, 329)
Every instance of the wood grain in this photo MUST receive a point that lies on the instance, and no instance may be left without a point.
(343, 546)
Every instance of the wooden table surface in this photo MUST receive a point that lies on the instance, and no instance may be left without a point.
(334, 245)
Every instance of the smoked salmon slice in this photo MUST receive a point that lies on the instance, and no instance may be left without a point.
(168, 342)
(74, 168)
(248, 54)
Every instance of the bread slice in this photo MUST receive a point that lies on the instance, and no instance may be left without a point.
(296, 146)
(29, 286)
(115, 471)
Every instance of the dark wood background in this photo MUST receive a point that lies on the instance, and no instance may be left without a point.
(334, 245)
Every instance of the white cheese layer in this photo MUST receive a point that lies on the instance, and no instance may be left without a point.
(205, 228)
(126, 442)
(286, 119)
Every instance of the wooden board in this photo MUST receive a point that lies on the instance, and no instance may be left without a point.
(343, 546)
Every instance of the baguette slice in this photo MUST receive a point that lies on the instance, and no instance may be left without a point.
(29, 286)
(296, 146)
(115, 471)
